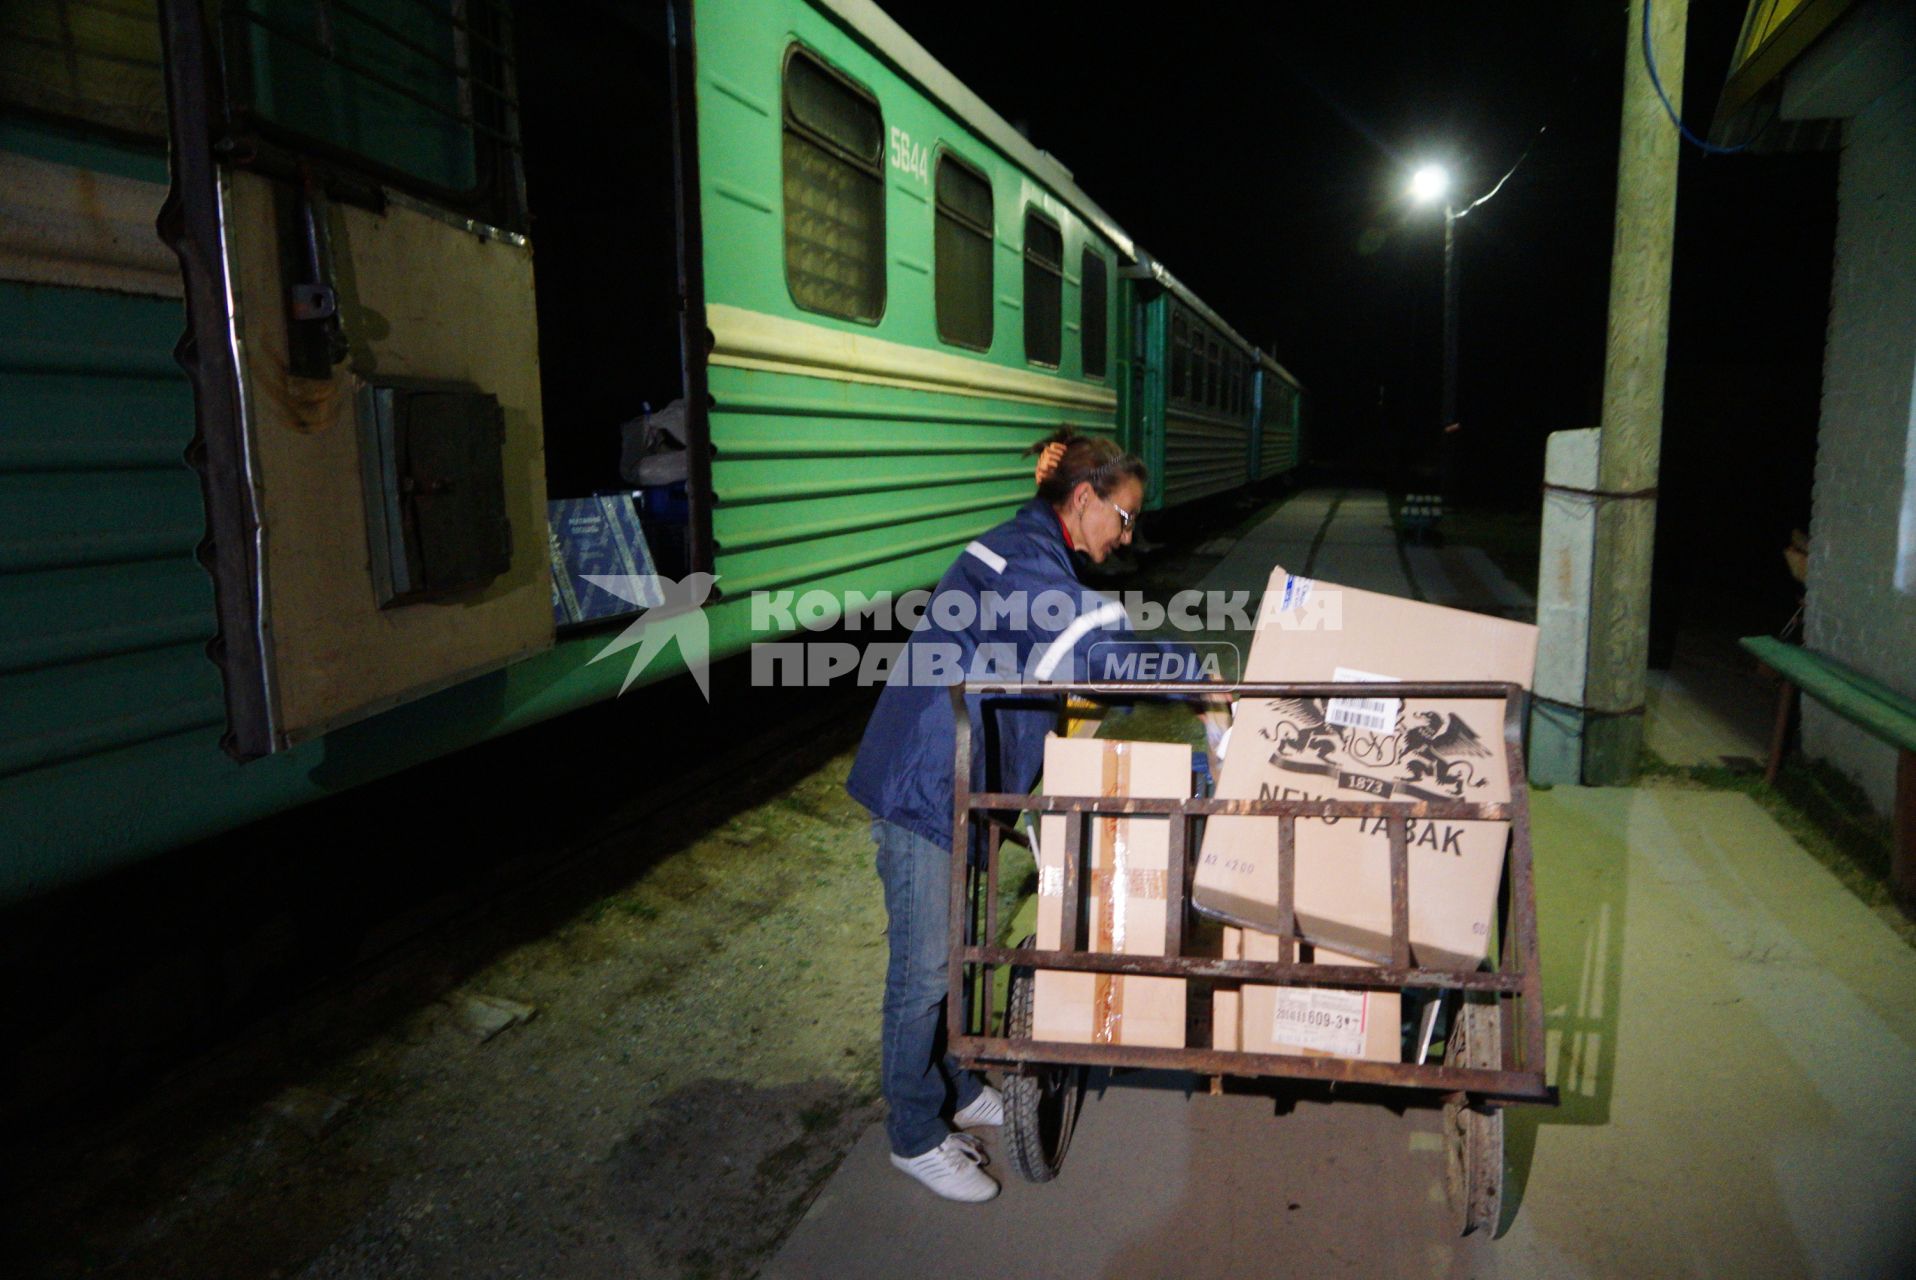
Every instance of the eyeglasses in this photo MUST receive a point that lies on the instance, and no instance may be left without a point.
(1125, 518)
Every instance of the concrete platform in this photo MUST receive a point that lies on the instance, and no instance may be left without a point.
(1733, 1033)
(1710, 707)
(1346, 536)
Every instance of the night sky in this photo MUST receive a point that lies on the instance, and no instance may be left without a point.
(1261, 152)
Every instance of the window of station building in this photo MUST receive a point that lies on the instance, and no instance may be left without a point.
(962, 252)
(1044, 289)
(1092, 301)
(834, 192)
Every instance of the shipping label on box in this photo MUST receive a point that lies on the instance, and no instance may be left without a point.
(1122, 907)
(1402, 749)
(1337, 1022)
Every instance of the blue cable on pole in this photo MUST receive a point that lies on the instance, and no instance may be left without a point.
(1650, 64)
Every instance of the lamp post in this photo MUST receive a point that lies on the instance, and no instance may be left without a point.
(1428, 185)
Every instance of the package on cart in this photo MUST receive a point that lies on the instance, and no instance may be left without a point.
(1389, 749)
(601, 565)
(1331, 1022)
(1122, 897)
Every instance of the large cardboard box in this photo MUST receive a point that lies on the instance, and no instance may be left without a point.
(1124, 910)
(1329, 1022)
(1368, 749)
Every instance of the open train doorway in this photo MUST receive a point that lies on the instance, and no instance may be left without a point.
(597, 85)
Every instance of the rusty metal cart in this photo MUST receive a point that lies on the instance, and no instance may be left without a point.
(1493, 1054)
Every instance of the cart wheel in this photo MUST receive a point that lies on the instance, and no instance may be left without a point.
(1041, 1101)
(1474, 1135)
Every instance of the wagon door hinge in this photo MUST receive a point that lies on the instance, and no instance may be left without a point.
(316, 342)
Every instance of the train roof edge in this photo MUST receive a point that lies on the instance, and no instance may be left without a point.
(875, 25)
(867, 20)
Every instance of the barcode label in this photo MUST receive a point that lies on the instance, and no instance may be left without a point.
(1314, 1018)
(1378, 715)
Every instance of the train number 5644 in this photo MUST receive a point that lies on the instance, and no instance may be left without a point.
(910, 156)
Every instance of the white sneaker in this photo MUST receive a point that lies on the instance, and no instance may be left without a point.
(988, 1108)
(952, 1170)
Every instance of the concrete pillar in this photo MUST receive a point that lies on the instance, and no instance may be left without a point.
(1634, 360)
(1564, 564)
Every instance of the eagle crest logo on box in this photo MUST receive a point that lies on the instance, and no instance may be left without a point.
(1377, 750)
(1400, 750)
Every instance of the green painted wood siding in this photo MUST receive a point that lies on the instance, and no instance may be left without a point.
(104, 613)
(849, 479)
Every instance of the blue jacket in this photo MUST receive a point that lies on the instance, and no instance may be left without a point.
(903, 772)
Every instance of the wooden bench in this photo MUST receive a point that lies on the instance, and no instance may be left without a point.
(1868, 704)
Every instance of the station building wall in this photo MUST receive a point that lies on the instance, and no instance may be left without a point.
(1862, 578)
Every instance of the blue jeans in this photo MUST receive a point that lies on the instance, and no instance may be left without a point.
(922, 1084)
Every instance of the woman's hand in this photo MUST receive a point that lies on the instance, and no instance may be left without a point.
(1048, 462)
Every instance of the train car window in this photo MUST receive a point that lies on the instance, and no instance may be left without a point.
(1044, 289)
(1214, 386)
(1194, 389)
(834, 192)
(100, 69)
(961, 250)
(418, 96)
(1180, 358)
(1092, 299)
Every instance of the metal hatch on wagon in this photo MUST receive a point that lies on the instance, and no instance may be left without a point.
(348, 209)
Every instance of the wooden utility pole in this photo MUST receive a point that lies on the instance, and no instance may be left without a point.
(1634, 360)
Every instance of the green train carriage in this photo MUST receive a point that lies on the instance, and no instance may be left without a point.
(1277, 435)
(885, 292)
(902, 293)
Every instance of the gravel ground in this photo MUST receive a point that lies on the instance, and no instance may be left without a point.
(703, 1053)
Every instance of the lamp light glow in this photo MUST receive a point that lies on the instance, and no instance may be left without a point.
(1429, 184)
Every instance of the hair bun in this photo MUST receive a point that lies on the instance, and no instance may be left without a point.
(1063, 436)
(1087, 459)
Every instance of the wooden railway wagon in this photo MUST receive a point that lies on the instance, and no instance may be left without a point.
(869, 290)
(1277, 436)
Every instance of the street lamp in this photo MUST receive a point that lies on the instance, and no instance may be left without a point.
(1429, 185)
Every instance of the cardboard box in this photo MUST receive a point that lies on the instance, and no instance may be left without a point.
(1124, 910)
(1368, 749)
(1326, 1022)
